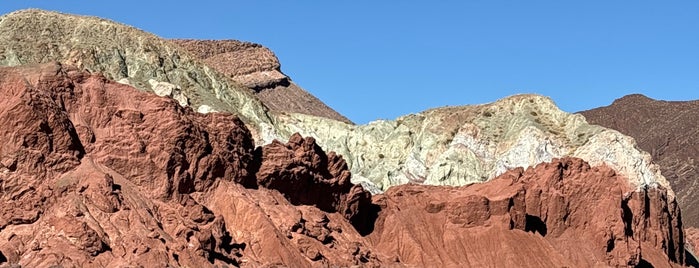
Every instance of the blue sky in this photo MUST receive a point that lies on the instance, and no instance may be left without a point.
(383, 59)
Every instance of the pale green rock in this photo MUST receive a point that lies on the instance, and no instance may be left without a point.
(469, 144)
(126, 54)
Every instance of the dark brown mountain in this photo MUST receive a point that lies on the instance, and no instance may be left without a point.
(669, 131)
(257, 67)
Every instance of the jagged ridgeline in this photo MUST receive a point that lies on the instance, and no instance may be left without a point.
(445, 146)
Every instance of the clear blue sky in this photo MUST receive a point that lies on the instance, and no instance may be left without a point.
(382, 59)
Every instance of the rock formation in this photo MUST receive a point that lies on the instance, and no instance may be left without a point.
(466, 144)
(666, 129)
(97, 173)
(258, 68)
(445, 146)
(101, 173)
(692, 245)
(559, 214)
(307, 176)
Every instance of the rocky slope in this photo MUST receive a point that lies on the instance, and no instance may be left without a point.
(97, 173)
(258, 68)
(130, 56)
(461, 145)
(666, 129)
(545, 213)
(446, 146)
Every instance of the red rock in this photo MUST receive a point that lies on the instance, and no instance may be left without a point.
(563, 213)
(257, 68)
(94, 164)
(692, 238)
(307, 176)
(96, 173)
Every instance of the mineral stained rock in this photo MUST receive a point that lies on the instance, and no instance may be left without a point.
(666, 129)
(467, 144)
(95, 173)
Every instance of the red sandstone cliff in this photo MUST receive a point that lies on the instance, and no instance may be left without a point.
(95, 173)
(559, 214)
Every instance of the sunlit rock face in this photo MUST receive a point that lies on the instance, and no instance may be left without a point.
(467, 144)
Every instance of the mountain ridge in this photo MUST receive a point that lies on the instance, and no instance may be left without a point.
(668, 131)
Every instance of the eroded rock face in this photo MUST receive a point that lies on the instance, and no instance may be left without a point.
(251, 64)
(692, 240)
(307, 176)
(97, 173)
(559, 214)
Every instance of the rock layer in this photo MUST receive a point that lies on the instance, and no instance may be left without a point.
(127, 55)
(258, 68)
(666, 129)
(467, 144)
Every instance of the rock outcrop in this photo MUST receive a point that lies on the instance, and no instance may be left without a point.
(666, 129)
(258, 68)
(558, 214)
(307, 176)
(692, 240)
(96, 173)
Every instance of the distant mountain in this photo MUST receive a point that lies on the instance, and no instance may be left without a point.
(669, 131)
